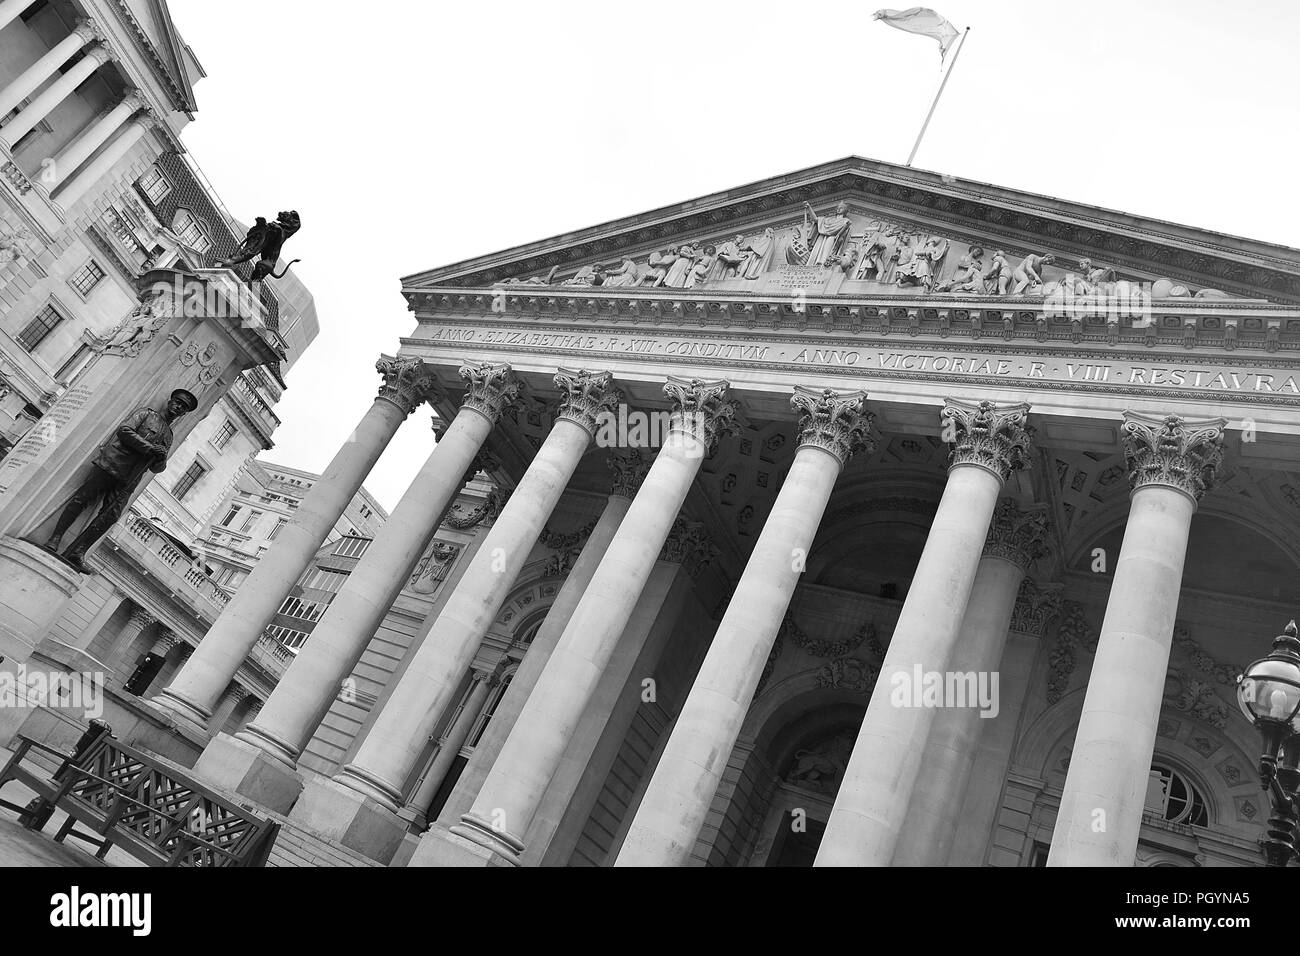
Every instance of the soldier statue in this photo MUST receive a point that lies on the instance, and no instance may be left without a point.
(139, 444)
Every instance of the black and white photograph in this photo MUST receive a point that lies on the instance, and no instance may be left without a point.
(579, 435)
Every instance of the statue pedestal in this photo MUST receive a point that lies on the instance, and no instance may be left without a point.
(33, 586)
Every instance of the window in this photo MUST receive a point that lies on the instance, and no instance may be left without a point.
(86, 278)
(279, 523)
(288, 636)
(303, 610)
(191, 231)
(230, 516)
(224, 434)
(249, 520)
(155, 185)
(188, 480)
(351, 547)
(1175, 799)
(325, 580)
(46, 321)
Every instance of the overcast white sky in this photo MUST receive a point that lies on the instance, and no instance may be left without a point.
(414, 134)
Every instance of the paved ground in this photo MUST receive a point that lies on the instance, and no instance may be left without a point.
(19, 847)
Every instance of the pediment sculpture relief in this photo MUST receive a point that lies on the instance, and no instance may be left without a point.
(841, 251)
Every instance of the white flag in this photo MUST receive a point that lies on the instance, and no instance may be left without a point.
(924, 21)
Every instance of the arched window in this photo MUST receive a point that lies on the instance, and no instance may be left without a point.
(1173, 797)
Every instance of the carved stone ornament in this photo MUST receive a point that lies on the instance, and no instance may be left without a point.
(433, 566)
(567, 548)
(836, 422)
(490, 388)
(586, 397)
(1073, 634)
(701, 413)
(1173, 451)
(132, 334)
(1017, 536)
(689, 545)
(1036, 606)
(994, 437)
(407, 383)
(629, 468)
(207, 360)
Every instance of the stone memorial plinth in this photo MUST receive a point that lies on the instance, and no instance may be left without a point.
(194, 331)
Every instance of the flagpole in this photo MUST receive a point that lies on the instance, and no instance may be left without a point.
(956, 53)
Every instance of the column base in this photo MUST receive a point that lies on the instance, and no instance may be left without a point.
(443, 847)
(237, 766)
(183, 711)
(343, 815)
(34, 584)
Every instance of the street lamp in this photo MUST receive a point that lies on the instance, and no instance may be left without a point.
(1269, 695)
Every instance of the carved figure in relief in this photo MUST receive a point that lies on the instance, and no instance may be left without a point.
(998, 276)
(14, 245)
(758, 251)
(967, 276)
(628, 273)
(820, 767)
(1028, 276)
(681, 265)
(921, 267)
(700, 268)
(729, 259)
(657, 267)
(587, 275)
(820, 237)
(877, 252)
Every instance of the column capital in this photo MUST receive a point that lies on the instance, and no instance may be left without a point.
(142, 618)
(688, 544)
(236, 693)
(586, 397)
(1181, 453)
(134, 101)
(88, 30)
(100, 54)
(701, 413)
(1017, 536)
(490, 388)
(167, 640)
(629, 468)
(836, 422)
(994, 437)
(1036, 606)
(407, 383)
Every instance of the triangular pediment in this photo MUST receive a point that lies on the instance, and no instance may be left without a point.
(157, 37)
(859, 227)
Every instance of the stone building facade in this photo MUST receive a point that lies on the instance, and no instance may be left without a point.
(858, 516)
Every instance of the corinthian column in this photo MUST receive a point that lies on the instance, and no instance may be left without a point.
(831, 428)
(199, 684)
(304, 693)
(629, 470)
(1015, 539)
(494, 828)
(1172, 462)
(987, 442)
(393, 743)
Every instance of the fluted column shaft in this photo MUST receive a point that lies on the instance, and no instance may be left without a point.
(677, 800)
(539, 652)
(931, 823)
(1171, 462)
(451, 742)
(52, 96)
(132, 629)
(388, 753)
(515, 786)
(880, 779)
(30, 80)
(199, 685)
